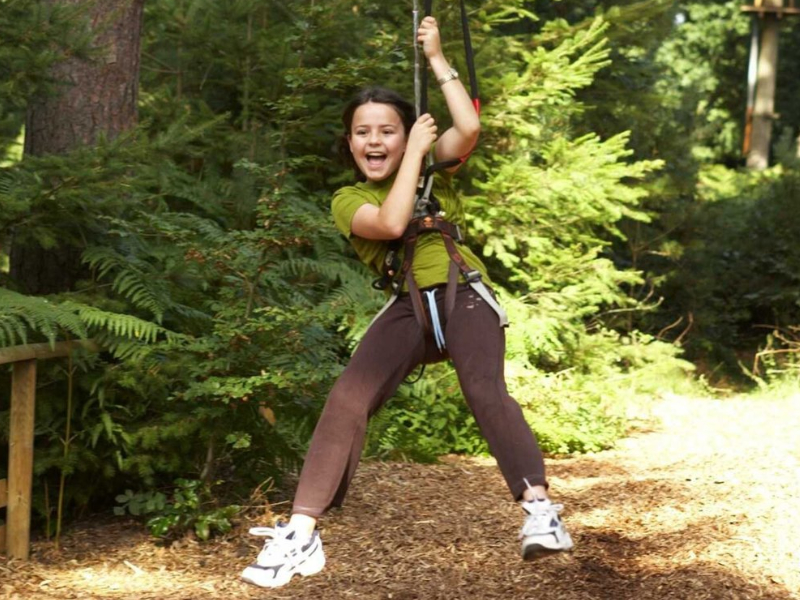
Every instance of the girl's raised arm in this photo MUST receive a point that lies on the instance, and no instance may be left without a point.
(460, 139)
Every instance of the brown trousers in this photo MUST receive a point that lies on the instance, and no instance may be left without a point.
(388, 353)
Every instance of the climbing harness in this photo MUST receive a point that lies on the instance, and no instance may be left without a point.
(428, 218)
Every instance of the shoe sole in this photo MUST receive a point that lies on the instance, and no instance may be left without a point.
(535, 551)
(251, 575)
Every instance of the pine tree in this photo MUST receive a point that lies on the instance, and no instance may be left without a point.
(95, 97)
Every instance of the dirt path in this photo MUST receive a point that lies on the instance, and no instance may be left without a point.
(704, 506)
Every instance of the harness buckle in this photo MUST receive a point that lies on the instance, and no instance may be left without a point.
(389, 259)
(472, 276)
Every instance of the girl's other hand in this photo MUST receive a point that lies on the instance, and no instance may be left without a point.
(422, 136)
(428, 36)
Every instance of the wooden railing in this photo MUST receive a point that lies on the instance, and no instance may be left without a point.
(15, 493)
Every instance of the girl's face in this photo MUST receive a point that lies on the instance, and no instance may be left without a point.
(377, 140)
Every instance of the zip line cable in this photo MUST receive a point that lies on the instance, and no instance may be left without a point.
(417, 62)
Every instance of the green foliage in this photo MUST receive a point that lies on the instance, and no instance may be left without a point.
(702, 59)
(577, 395)
(678, 80)
(776, 367)
(22, 315)
(191, 507)
(138, 504)
(549, 203)
(739, 274)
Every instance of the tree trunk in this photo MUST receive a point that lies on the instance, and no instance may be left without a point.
(764, 111)
(98, 98)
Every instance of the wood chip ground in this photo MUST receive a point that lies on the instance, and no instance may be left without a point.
(705, 505)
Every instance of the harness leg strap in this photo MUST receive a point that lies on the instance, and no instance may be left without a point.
(450, 291)
(484, 293)
(480, 288)
(472, 277)
(416, 302)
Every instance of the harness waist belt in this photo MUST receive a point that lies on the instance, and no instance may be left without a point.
(451, 234)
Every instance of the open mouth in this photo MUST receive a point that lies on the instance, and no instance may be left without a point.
(376, 159)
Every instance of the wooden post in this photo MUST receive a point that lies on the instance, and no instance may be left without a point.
(20, 458)
(764, 109)
(3, 497)
(17, 499)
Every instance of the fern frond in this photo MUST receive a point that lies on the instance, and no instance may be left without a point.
(134, 279)
(21, 315)
(6, 183)
(12, 330)
(120, 325)
(191, 313)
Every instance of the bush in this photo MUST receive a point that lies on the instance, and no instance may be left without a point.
(191, 507)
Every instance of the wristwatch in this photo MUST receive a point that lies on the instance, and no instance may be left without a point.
(451, 74)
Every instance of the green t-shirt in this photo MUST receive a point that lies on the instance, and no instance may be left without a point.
(431, 261)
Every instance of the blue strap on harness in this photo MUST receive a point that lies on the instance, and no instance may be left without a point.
(438, 334)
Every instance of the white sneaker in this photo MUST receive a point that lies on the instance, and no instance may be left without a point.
(543, 532)
(283, 555)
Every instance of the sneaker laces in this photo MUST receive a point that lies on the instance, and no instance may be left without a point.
(278, 548)
(540, 517)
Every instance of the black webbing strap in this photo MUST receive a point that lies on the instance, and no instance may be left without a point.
(473, 78)
(407, 273)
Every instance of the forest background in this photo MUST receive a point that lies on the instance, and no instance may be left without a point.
(193, 241)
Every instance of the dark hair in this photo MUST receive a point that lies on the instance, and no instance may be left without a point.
(379, 95)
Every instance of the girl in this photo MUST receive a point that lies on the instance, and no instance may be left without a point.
(387, 147)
